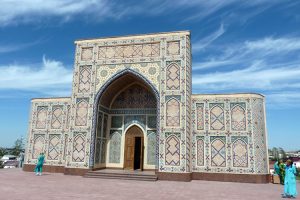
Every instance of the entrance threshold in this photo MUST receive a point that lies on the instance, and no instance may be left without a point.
(122, 174)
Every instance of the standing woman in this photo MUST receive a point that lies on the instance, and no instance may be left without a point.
(281, 171)
(290, 188)
(276, 168)
(39, 166)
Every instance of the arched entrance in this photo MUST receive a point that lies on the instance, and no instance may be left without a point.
(125, 123)
(134, 148)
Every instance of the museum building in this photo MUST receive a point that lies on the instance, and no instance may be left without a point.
(132, 108)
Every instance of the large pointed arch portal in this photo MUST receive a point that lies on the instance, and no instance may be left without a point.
(127, 98)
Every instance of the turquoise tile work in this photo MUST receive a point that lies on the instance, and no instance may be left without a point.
(151, 147)
(115, 146)
(116, 121)
(151, 121)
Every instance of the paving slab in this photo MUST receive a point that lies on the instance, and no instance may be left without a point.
(19, 185)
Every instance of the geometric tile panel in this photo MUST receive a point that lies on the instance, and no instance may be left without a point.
(65, 146)
(151, 121)
(57, 114)
(54, 147)
(217, 121)
(244, 129)
(135, 119)
(103, 151)
(218, 151)
(86, 53)
(116, 121)
(173, 113)
(84, 79)
(103, 135)
(38, 145)
(200, 151)
(98, 149)
(81, 112)
(134, 96)
(240, 153)
(200, 116)
(115, 147)
(172, 151)
(173, 48)
(41, 120)
(68, 117)
(78, 147)
(151, 147)
(260, 152)
(99, 124)
(129, 51)
(173, 76)
(238, 118)
(151, 69)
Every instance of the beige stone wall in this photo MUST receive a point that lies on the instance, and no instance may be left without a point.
(229, 134)
(48, 130)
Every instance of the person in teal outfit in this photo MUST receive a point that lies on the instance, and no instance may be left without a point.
(276, 168)
(39, 166)
(281, 171)
(290, 188)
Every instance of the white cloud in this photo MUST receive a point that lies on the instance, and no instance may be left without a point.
(52, 78)
(4, 48)
(257, 77)
(201, 44)
(25, 11)
(284, 99)
(15, 11)
(267, 49)
(274, 45)
(266, 65)
(239, 9)
(212, 64)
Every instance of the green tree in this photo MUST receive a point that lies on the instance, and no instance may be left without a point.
(275, 153)
(282, 153)
(2, 152)
(18, 146)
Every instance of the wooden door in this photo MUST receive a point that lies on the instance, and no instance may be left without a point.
(129, 149)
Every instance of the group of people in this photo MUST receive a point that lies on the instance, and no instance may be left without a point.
(287, 173)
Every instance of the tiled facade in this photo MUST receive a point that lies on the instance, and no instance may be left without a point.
(145, 80)
(48, 130)
(229, 134)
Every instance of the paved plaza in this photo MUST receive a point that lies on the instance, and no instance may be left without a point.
(16, 184)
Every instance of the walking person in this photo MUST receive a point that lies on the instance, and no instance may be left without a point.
(21, 159)
(39, 166)
(290, 188)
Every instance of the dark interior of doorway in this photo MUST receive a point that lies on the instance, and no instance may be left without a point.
(137, 153)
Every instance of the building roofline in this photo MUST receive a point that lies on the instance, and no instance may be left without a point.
(132, 35)
(45, 98)
(232, 94)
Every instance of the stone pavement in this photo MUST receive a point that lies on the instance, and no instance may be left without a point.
(18, 185)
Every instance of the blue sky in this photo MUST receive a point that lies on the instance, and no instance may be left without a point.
(238, 46)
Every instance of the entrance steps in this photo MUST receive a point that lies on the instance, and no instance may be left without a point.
(122, 174)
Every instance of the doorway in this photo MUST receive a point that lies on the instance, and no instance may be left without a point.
(134, 149)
